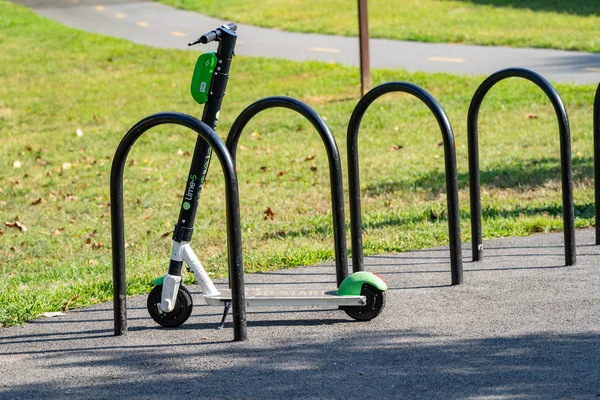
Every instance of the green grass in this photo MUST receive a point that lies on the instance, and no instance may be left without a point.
(570, 25)
(51, 85)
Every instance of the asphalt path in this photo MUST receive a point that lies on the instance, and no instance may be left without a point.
(522, 326)
(158, 25)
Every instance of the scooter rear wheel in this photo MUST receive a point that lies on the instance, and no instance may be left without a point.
(374, 306)
(181, 312)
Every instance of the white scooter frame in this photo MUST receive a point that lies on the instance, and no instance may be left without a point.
(269, 297)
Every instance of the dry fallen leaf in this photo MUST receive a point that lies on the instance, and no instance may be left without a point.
(39, 160)
(263, 169)
(281, 173)
(17, 225)
(58, 232)
(433, 215)
(36, 202)
(438, 144)
(311, 157)
(396, 147)
(68, 303)
(53, 314)
(166, 234)
(531, 116)
(269, 214)
(91, 261)
(313, 168)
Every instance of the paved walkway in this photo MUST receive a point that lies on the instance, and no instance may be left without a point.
(157, 25)
(521, 326)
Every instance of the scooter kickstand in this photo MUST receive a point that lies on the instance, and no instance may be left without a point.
(225, 312)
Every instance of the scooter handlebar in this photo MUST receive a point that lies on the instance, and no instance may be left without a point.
(213, 35)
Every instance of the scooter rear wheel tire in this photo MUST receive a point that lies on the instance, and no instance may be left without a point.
(374, 307)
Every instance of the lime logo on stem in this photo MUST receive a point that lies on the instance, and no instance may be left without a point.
(186, 205)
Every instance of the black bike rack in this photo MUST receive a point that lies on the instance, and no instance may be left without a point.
(333, 156)
(597, 161)
(565, 158)
(234, 237)
(450, 164)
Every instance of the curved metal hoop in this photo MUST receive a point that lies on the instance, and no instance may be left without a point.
(333, 156)
(234, 237)
(597, 161)
(565, 158)
(450, 165)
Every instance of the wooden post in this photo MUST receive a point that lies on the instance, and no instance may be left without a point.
(365, 63)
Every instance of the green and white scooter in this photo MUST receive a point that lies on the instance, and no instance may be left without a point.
(361, 295)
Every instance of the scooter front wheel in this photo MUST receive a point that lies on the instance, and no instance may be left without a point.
(181, 312)
(374, 306)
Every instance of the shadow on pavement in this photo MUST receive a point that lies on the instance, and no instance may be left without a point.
(389, 365)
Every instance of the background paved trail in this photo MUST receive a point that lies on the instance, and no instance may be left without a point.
(158, 25)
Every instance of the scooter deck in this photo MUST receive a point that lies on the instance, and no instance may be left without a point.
(288, 297)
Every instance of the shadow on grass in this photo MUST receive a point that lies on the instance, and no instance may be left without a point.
(582, 211)
(582, 7)
(521, 176)
(390, 364)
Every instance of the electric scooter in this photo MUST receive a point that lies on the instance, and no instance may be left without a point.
(361, 295)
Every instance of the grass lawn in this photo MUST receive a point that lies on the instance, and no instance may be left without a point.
(570, 25)
(68, 97)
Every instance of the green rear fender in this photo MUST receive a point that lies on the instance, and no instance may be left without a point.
(352, 285)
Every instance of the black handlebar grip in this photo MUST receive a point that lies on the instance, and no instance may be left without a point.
(209, 37)
(213, 35)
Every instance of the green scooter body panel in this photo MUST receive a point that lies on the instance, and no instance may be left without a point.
(352, 285)
(202, 78)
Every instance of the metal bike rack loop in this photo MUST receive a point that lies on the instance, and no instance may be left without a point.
(565, 158)
(234, 237)
(450, 165)
(597, 162)
(333, 156)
